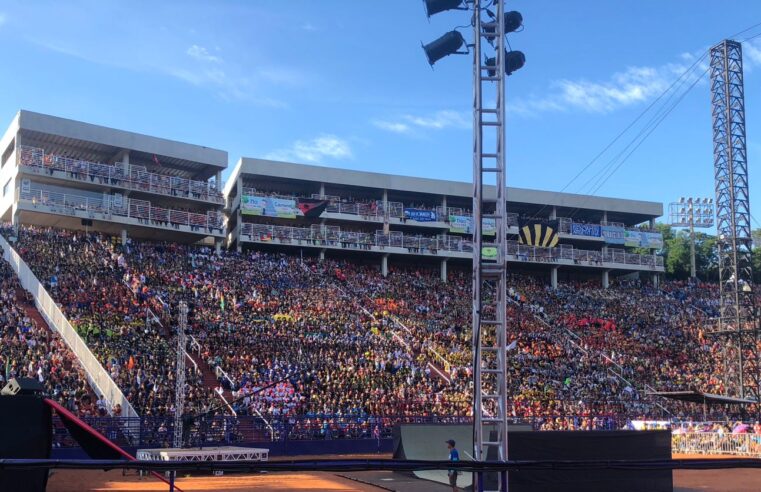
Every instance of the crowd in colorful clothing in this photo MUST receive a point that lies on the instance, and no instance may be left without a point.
(336, 338)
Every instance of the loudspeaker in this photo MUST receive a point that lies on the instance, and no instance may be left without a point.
(22, 386)
(87, 222)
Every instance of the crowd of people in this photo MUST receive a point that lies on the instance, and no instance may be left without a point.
(297, 337)
(28, 350)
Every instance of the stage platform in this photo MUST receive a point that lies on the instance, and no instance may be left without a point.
(224, 453)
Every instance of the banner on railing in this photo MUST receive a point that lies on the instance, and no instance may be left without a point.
(632, 238)
(284, 208)
(652, 240)
(419, 215)
(589, 230)
(489, 253)
(463, 224)
(612, 234)
(271, 207)
(26, 185)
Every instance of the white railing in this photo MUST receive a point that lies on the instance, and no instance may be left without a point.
(98, 376)
(110, 206)
(333, 236)
(266, 423)
(136, 178)
(712, 443)
(220, 373)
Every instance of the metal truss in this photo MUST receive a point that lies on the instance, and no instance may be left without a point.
(737, 326)
(489, 253)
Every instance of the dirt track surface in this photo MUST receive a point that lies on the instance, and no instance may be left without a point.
(737, 480)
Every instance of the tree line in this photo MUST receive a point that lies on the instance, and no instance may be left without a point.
(676, 254)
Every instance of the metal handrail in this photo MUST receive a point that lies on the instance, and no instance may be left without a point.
(141, 210)
(135, 178)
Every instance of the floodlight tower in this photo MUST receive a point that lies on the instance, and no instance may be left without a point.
(492, 63)
(179, 395)
(692, 213)
(738, 328)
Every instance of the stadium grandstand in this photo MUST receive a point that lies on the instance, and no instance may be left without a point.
(330, 305)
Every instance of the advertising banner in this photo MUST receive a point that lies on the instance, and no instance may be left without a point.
(489, 253)
(420, 215)
(589, 230)
(651, 240)
(612, 234)
(463, 224)
(632, 238)
(284, 208)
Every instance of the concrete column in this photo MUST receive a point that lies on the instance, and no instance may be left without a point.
(554, 277)
(656, 280)
(322, 254)
(444, 207)
(605, 216)
(217, 246)
(605, 279)
(238, 246)
(652, 223)
(384, 265)
(554, 213)
(124, 236)
(444, 270)
(322, 190)
(218, 179)
(125, 161)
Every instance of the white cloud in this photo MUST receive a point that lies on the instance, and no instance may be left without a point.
(202, 54)
(632, 86)
(314, 150)
(409, 124)
(308, 26)
(394, 127)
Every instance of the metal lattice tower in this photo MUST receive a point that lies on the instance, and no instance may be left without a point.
(489, 274)
(737, 327)
(179, 394)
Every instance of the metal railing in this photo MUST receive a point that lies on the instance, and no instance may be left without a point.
(135, 178)
(110, 206)
(333, 236)
(99, 378)
(712, 443)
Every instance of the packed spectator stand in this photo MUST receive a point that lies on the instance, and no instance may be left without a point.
(336, 340)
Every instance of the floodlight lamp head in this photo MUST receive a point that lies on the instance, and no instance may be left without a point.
(433, 7)
(513, 20)
(514, 60)
(448, 44)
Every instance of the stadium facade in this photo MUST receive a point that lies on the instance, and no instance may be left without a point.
(65, 173)
(386, 218)
(70, 174)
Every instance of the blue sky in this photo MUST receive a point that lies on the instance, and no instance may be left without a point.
(345, 83)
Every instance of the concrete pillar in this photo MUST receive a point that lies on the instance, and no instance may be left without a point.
(652, 223)
(218, 180)
(238, 247)
(605, 279)
(385, 200)
(656, 280)
(444, 270)
(322, 254)
(322, 190)
(554, 277)
(124, 236)
(384, 265)
(554, 213)
(605, 216)
(217, 246)
(444, 208)
(125, 161)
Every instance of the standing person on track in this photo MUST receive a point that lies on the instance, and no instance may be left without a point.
(454, 455)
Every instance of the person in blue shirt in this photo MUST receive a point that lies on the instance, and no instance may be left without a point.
(454, 455)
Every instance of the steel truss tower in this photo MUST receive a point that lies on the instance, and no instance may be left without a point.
(489, 255)
(737, 328)
(179, 395)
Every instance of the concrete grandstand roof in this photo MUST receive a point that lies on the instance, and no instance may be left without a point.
(205, 160)
(286, 170)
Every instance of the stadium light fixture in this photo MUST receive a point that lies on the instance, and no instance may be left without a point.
(513, 20)
(448, 44)
(433, 7)
(514, 60)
